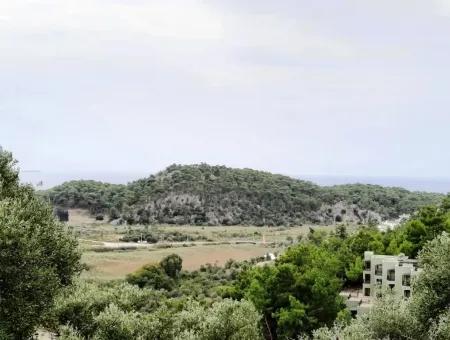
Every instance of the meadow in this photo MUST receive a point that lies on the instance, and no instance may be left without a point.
(107, 258)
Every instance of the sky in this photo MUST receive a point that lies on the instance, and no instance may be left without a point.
(296, 87)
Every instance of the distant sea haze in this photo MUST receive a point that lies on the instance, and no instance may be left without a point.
(440, 185)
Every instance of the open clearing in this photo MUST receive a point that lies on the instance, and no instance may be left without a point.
(117, 264)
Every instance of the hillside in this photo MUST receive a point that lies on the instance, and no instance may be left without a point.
(217, 195)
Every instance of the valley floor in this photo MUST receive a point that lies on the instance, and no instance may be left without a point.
(107, 258)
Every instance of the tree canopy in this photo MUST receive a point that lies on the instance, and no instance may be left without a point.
(37, 256)
(292, 293)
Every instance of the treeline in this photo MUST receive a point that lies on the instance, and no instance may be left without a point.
(217, 195)
(97, 197)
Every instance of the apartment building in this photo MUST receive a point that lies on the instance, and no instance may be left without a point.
(388, 272)
(381, 272)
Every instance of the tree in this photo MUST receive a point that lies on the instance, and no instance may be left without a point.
(9, 175)
(115, 324)
(122, 311)
(172, 265)
(440, 330)
(354, 272)
(367, 238)
(227, 320)
(431, 291)
(293, 293)
(428, 223)
(37, 255)
(79, 305)
(151, 275)
(341, 232)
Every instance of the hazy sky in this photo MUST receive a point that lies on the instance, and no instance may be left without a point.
(297, 87)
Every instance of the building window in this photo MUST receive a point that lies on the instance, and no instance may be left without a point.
(367, 292)
(407, 293)
(367, 278)
(366, 265)
(379, 269)
(391, 286)
(391, 275)
(379, 282)
(406, 280)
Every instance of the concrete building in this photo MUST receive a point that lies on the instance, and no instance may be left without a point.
(381, 272)
(388, 272)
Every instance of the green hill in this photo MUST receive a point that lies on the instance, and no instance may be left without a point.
(218, 195)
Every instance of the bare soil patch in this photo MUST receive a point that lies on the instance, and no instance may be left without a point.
(116, 265)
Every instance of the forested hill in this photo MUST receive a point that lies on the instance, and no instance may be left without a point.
(217, 195)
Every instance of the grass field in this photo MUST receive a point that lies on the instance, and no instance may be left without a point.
(116, 264)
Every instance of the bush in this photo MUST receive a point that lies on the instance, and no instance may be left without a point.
(151, 276)
(172, 265)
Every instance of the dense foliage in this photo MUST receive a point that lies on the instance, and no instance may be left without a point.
(426, 315)
(428, 223)
(37, 256)
(204, 285)
(95, 196)
(186, 307)
(156, 235)
(292, 293)
(217, 195)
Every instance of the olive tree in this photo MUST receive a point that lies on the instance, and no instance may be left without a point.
(227, 319)
(431, 291)
(172, 265)
(37, 255)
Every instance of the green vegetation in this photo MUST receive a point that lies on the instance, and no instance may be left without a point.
(205, 285)
(157, 235)
(426, 315)
(217, 195)
(125, 312)
(292, 294)
(299, 292)
(169, 304)
(37, 256)
(428, 223)
(294, 297)
(95, 196)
